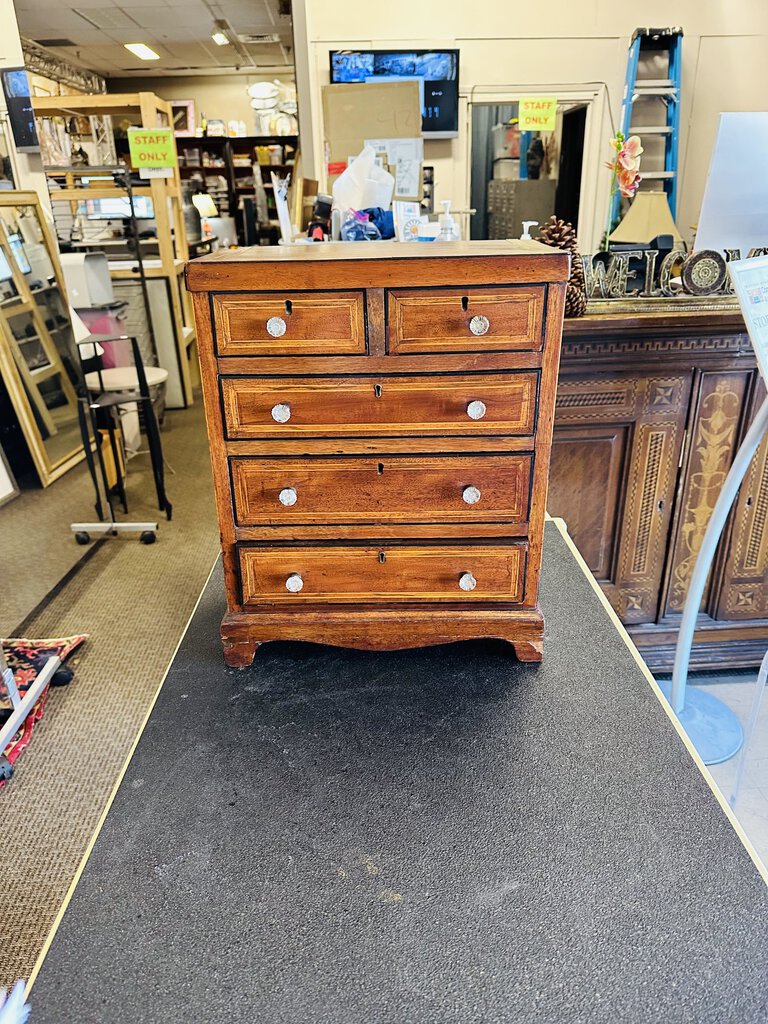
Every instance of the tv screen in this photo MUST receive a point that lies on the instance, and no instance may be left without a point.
(119, 208)
(436, 71)
(20, 113)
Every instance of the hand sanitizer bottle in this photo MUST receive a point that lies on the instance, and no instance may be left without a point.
(448, 230)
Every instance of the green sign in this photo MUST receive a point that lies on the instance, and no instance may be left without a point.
(152, 147)
(538, 113)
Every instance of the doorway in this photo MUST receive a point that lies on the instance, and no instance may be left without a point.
(524, 176)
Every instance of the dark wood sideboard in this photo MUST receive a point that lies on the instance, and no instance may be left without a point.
(651, 408)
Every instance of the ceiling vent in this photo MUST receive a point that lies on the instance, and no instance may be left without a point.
(106, 18)
(255, 40)
(55, 42)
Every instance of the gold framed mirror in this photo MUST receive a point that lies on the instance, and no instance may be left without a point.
(38, 357)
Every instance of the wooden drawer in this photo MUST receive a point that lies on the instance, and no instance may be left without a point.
(391, 489)
(428, 321)
(385, 407)
(312, 323)
(344, 573)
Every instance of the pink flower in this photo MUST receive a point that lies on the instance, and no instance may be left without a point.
(628, 181)
(629, 155)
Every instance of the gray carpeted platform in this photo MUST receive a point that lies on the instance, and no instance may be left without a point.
(441, 835)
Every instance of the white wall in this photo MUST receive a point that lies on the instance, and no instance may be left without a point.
(506, 46)
(224, 96)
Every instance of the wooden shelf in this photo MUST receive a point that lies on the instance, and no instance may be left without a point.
(149, 111)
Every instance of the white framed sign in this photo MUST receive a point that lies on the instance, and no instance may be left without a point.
(750, 282)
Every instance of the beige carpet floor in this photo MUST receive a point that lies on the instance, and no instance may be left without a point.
(134, 601)
(36, 545)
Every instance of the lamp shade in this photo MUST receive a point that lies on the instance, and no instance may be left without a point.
(204, 205)
(647, 217)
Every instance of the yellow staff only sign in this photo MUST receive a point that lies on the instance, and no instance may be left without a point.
(152, 147)
(538, 113)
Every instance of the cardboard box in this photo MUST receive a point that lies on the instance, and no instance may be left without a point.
(367, 110)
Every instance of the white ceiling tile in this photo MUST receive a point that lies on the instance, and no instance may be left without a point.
(178, 29)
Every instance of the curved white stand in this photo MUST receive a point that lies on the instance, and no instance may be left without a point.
(712, 727)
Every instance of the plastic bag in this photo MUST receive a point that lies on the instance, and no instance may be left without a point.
(363, 184)
(356, 227)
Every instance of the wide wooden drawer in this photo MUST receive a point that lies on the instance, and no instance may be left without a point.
(465, 320)
(294, 323)
(344, 573)
(389, 489)
(384, 407)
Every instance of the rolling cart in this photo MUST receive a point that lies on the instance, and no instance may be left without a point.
(105, 391)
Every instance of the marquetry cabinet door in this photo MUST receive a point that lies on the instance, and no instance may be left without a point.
(744, 590)
(713, 435)
(615, 459)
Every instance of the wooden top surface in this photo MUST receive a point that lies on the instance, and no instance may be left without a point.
(686, 320)
(233, 267)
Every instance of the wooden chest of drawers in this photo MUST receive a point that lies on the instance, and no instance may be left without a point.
(380, 424)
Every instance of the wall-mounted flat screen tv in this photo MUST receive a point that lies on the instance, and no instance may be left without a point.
(436, 71)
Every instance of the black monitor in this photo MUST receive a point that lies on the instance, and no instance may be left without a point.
(436, 71)
(119, 208)
(20, 113)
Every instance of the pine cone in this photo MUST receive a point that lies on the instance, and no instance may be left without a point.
(575, 301)
(561, 235)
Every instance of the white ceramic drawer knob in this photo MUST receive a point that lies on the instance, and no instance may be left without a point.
(276, 326)
(471, 495)
(475, 410)
(288, 496)
(294, 583)
(479, 325)
(467, 581)
(281, 412)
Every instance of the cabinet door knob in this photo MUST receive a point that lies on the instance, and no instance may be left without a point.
(294, 583)
(479, 325)
(281, 412)
(276, 326)
(288, 496)
(471, 495)
(467, 581)
(476, 410)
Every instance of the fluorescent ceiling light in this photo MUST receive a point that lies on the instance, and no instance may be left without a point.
(142, 51)
(220, 38)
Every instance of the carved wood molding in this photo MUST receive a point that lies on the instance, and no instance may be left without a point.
(733, 344)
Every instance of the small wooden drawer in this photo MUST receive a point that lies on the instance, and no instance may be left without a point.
(294, 323)
(503, 404)
(390, 489)
(465, 320)
(344, 573)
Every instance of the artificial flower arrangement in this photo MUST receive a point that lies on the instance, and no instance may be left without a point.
(625, 165)
(625, 168)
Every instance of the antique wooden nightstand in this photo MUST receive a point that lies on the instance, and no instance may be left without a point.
(380, 423)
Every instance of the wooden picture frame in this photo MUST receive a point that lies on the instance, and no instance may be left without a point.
(183, 115)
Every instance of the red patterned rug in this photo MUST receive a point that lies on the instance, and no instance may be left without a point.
(26, 658)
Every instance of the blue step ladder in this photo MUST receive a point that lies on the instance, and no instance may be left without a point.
(666, 93)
